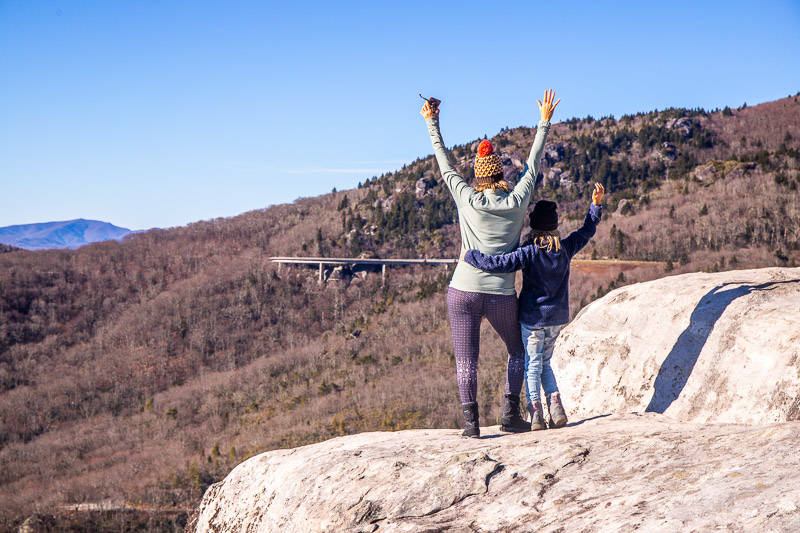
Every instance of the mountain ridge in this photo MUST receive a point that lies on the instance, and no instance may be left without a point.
(68, 234)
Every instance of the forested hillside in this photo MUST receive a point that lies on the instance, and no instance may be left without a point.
(4, 248)
(136, 373)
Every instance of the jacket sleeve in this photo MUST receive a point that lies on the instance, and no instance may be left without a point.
(579, 238)
(521, 194)
(496, 264)
(460, 189)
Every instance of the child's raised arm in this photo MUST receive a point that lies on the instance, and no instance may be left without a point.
(597, 193)
(510, 262)
(579, 238)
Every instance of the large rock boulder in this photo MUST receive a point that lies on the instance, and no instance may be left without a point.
(672, 355)
(719, 347)
(421, 188)
(554, 151)
(615, 473)
(554, 174)
(682, 125)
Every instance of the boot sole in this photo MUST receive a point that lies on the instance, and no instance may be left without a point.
(514, 430)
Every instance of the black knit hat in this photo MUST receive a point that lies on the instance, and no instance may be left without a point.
(544, 216)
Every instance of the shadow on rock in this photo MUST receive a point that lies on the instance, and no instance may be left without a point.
(579, 422)
(678, 366)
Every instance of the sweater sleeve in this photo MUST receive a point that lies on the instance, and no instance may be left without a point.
(524, 188)
(460, 189)
(579, 238)
(497, 264)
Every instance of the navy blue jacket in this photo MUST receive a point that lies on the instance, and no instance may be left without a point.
(544, 300)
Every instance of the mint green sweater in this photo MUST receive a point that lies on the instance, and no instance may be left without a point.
(490, 222)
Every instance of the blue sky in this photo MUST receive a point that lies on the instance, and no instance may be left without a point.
(159, 113)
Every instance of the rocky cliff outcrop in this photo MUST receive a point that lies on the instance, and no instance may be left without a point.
(719, 347)
(643, 371)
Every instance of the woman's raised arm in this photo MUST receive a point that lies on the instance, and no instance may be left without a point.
(521, 194)
(459, 188)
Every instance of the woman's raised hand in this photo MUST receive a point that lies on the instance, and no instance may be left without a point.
(427, 112)
(547, 108)
(597, 193)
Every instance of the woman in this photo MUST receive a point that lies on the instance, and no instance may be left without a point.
(491, 217)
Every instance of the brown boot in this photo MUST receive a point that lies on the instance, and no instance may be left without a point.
(537, 415)
(558, 418)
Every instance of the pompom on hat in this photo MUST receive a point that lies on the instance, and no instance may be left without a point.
(488, 168)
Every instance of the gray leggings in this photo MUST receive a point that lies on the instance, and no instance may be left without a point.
(466, 310)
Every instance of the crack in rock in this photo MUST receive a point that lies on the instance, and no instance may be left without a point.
(497, 469)
(550, 479)
(579, 458)
(457, 459)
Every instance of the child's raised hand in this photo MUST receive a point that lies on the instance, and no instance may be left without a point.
(597, 193)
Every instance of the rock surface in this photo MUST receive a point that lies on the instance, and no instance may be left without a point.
(698, 348)
(719, 347)
(614, 473)
(421, 188)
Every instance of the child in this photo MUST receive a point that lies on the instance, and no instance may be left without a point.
(544, 300)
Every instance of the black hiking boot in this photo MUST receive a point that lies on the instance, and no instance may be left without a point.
(512, 420)
(472, 429)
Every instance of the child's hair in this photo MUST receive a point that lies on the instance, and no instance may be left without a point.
(501, 184)
(546, 240)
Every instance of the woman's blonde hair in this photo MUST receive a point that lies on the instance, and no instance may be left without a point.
(546, 240)
(480, 187)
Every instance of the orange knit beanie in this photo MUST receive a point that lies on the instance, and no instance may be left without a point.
(488, 167)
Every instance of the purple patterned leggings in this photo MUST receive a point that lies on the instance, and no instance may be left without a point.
(466, 310)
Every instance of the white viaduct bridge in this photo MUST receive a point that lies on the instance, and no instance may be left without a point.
(356, 264)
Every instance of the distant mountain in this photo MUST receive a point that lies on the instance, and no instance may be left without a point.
(68, 234)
